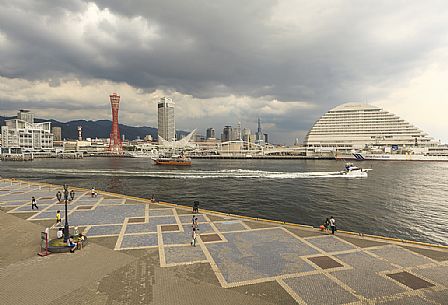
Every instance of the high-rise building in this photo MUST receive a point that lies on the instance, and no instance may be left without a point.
(237, 132)
(226, 133)
(355, 126)
(245, 134)
(166, 123)
(115, 144)
(259, 136)
(23, 132)
(57, 133)
(210, 133)
(25, 115)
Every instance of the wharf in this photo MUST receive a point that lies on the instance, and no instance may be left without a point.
(265, 157)
(139, 252)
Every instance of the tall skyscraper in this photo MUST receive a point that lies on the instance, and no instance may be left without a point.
(166, 126)
(237, 132)
(210, 133)
(115, 144)
(246, 135)
(226, 134)
(259, 136)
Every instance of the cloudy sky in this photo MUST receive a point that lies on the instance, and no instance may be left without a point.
(226, 61)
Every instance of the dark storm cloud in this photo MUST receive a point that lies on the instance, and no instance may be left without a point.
(210, 49)
(11, 106)
(325, 53)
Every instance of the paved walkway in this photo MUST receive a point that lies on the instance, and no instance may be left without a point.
(236, 260)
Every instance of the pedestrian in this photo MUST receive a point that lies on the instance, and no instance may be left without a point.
(195, 225)
(193, 238)
(58, 217)
(327, 224)
(153, 199)
(332, 224)
(34, 204)
(93, 192)
(196, 207)
(59, 196)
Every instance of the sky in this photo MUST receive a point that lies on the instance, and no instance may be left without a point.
(225, 62)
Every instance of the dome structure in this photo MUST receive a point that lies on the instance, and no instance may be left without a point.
(357, 126)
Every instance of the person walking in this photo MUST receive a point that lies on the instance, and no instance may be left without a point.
(58, 217)
(34, 203)
(93, 192)
(332, 224)
(193, 238)
(59, 196)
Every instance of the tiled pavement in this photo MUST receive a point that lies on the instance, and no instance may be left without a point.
(312, 267)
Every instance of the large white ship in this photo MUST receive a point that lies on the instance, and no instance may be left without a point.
(427, 154)
(398, 157)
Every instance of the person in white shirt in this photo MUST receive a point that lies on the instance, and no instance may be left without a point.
(332, 224)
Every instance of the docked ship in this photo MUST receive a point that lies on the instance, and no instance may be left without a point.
(396, 157)
(173, 161)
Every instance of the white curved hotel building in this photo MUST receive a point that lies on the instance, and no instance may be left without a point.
(361, 126)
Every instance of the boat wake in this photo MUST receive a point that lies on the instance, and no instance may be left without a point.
(188, 174)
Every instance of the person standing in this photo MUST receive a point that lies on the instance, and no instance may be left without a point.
(93, 192)
(196, 207)
(34, 203)
(58, 217)
(332, 224)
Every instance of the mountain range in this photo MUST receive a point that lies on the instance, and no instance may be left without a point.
(98, 129)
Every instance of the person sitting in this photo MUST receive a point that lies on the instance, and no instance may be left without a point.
(60, 233)
(71, 244)
(81, 239)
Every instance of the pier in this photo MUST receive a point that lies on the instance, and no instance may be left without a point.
(139, 252)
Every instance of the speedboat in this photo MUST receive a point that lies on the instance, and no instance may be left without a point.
(353, 171)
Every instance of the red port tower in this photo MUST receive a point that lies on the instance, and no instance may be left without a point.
(115, 144)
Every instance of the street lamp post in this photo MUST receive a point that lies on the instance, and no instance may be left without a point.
(67, 195)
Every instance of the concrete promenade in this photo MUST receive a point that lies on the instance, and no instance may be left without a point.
(139, 253)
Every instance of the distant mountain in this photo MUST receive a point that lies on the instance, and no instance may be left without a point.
(98, 129)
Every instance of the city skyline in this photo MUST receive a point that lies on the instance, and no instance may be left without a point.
(269, 60)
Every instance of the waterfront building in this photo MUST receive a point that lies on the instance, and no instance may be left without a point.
(166, 123)
(210, 134)
(57, 133)
(24, 133)
(360, 126)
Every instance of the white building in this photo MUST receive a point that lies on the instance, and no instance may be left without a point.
(23, 132)
(358, 126)
(166, 124)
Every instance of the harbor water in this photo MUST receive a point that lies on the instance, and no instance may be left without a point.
(407, 200)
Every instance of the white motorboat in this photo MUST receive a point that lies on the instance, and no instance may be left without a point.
(354, 171)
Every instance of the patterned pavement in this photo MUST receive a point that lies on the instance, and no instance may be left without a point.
(313, 267)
